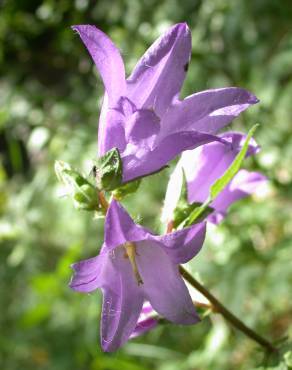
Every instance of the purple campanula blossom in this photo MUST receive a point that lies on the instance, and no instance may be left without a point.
(203, 166)
(147, 320)
(142, 115)
(150, 275)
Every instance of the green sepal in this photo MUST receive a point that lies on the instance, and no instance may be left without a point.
(109, 170)
(203, 312)
(86, 199)
(126, 189)
(83, 193)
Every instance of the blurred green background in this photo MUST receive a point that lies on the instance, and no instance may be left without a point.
(50, 96)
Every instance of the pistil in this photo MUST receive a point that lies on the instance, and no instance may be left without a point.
(131, 254)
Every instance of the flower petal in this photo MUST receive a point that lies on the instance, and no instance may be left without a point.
(142, 128)
(111, 132)
(181, 246)
(120, 228)
(141, 162)
(159, 74)
(122, 303)
(204, 165)
(163, 286)
(89, 274)
(237, 139)
(207, 111)
(143, 326)
(243, 184)
(106, 58)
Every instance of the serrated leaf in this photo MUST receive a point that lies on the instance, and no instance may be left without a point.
(109, 170)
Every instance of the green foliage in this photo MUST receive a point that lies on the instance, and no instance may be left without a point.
(49, 106)
(83, 193)
(109, 170)
(280, 360)
(232, 170)
(126, 189)
(183, 209)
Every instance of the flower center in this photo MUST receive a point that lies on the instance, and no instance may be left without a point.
(131, 254)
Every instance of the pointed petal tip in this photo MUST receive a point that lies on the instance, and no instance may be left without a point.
(182, 28)
(190, 318)
(76, 266)
(86, 29)
(114, 207)
(194, 318)
(72, 285)
(80, 27)
(182, 25)
(243, 94)
(253, 99)
(108, 347)
(250, 97)
(75, 27)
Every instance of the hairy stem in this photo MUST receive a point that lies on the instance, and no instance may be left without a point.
(229, 316)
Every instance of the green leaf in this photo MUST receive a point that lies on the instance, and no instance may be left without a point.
(224, 180)
(126, 189)
(83, 193)
(182, 208)
(179, 208)
(198, 213)
(232, 170)
(288, 358)
(86, 198)
(109, 170)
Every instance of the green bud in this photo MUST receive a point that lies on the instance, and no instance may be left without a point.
(86, 198)
(83, 193)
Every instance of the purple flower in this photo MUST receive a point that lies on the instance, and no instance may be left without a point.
(203, 166)
(146, 321)
(136, 266)
(142, 115)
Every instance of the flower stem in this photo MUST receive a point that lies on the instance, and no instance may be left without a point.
(103, 201)
(229, 316)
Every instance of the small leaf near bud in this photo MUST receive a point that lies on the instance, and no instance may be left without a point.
(83, 193)
(86, 198)
(109, 170)
(126, 189)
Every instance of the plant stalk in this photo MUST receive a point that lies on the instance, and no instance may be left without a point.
(229, 316)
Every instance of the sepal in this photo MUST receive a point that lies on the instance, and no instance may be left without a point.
(83, 193)
(109, 170)
(126, 189)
